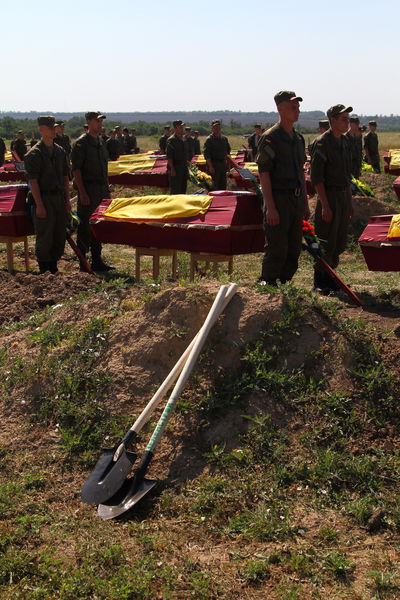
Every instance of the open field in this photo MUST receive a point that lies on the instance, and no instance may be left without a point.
(280, 471)
(387, 140)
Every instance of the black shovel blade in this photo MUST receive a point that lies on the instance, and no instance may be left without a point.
(107, 477)
(246, 173)
(135, 492)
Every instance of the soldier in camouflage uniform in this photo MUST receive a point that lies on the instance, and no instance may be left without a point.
(281, 157)
(47, 172)
(189, 143)
(177, 160)
(19, 146)
(196, 143)
(331, 176)
(89, 167)
(371, 147)
(164, 138)
(355, 141)
(216, 151)
(253, 141)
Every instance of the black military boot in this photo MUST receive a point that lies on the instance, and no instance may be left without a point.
(53, 267)
(98, 263)
(44, 266)
(321, 282)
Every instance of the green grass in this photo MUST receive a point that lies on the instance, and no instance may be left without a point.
(278, 510)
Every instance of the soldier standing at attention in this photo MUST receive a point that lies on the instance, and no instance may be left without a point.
(216, 151)
(323, 126)
(62, 139)
(177, 162)
(355, 141)
(112, 146)
(196, 143)
(281, 157)
(19, 147)
(331, 176)
(89, 167)
(132, 142)
(189, 143)
(164, 138)
(253, 141)
(47, 172)
(2, 151)
(371, 147)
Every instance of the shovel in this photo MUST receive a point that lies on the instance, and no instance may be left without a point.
(133, 489)
(115, 464)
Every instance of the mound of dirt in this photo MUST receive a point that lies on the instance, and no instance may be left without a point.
(22, 294)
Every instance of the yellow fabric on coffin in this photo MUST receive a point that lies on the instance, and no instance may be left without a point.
(118, 167)
(394, 159)
(157, 208)
(394, 229)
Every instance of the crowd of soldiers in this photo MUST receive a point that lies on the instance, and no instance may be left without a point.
(280, 153)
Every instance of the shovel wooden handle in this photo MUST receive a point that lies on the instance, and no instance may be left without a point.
(201, 337)
(167, 383)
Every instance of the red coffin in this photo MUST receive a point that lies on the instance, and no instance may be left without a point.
(232, 225)
(396, 187)
(14, 219)
(380, 253)
(9, 173)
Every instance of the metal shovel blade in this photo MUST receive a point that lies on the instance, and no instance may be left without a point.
(107, 477)
(132, 496)
(245, 173)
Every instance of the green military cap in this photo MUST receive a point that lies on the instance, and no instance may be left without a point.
(324, 123)
(47, 121)
(286, 96)
(354, 119)
(372, 123)
(215, 122)
(177, 123)
(338, 109)
(94, 114)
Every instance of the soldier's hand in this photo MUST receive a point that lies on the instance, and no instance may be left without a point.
(272, 217)
(84, 199)
(41, 212)
(327, 214)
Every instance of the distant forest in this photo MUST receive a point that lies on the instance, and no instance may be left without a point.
(152, 123)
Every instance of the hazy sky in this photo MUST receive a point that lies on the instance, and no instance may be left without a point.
(126, 55)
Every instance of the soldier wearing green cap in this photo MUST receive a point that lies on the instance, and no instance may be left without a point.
(371, 147)
(216, 151)
(177, 160)
(323, 125)
(2, 151)
(89, 167)
(280, 158)
(62, 139)
(253, 141)
(20, 148)
(164, 138)
(331, 176)
(355, 140)
(47, 172)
